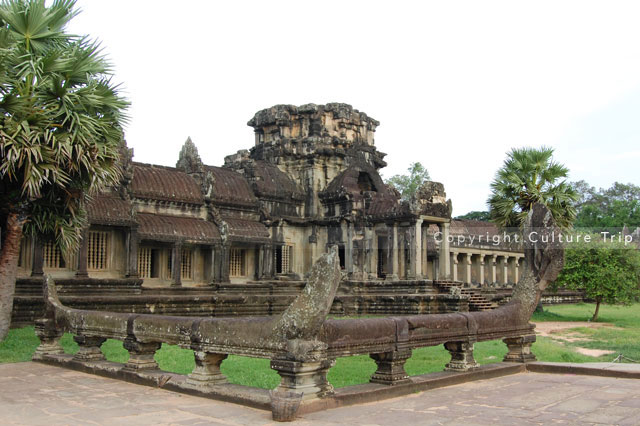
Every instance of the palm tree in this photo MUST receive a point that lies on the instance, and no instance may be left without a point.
(530, 176)
(60, 130)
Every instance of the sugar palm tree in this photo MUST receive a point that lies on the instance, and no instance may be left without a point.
(530, 176)
(60, 130)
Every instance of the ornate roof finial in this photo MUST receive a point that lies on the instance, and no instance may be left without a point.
(189, 160)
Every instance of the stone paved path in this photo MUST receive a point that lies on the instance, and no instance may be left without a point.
(36, 394)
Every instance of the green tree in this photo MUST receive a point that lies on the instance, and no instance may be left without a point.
(475, 215)
(608, 272)
(529, 176)
(614, 207)
(60, 130)
(409, 183)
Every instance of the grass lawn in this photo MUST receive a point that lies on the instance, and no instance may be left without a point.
(624, 338)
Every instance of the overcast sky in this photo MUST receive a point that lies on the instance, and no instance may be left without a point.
(455, 85)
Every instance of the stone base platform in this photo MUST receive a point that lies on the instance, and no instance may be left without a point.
(46, 395)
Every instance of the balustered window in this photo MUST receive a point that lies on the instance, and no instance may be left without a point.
(186, 271)
(52, 256)
(97, 250)
(144, 262)
(237, 263)
(284, 257)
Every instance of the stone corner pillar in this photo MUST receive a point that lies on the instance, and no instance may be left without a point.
(392, 259)
(444, 256)
(132, 252)
(176, 265)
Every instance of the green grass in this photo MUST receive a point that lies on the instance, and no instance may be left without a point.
(623, 339)
(21, 343)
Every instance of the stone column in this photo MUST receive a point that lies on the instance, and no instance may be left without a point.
(505, 270)
(467, 268)
(516, 276)
(371, 267)
(410, 243)
(454, 265)
(211, 273)
(38, 258)
(445, 265)
(176, 265)
(494, 275)
(416, 251)
(132, 252)
(423, 243)
(348, 249)
(82, 255)
(481, 279)
(259, 262)
(225, 252)
(392, 259)
(268, 270)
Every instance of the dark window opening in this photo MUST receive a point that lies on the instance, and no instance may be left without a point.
(279, 260)
(341, 255)
(155, 264)
(365, 184)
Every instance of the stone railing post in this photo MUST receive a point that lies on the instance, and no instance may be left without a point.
(49, 337)
(520, 348)
(304, 371)
(391, 367)
(141, 355)
(461, 356)
(207, 370)
(89, 348)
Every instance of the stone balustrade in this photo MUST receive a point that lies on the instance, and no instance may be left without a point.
(302, 343)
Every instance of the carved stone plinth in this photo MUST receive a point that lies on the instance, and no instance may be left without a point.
(207, 370)
(520, 349)
(89, 348)
(391, 367)
(308, 378)
(49, 339)
(461, 356)
(140, 355)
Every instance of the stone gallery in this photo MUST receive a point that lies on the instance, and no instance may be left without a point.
(243, 237)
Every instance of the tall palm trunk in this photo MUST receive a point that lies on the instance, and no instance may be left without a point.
(9, 267)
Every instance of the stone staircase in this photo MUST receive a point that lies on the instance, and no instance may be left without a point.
(477, 302)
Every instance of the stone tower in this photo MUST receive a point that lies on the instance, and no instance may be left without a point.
(313, 144)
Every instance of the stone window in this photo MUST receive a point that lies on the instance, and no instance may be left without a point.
(144, 262)
(186, 270)
(97, 250)
(237, 263)
(52, 256)
(151, 260)
(284, 255)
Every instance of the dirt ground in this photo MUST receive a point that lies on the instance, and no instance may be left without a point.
(558, 331)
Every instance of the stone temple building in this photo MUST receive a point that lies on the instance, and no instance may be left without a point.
(310, 181)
